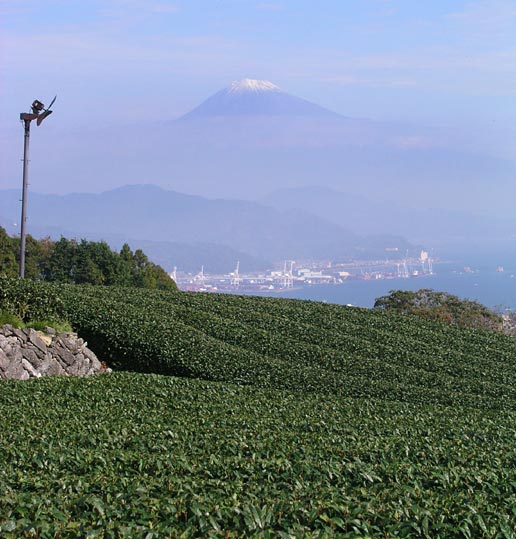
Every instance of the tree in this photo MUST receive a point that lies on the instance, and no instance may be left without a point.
(108, 263)
(33, 251)
(86, 270)
(149, 275)
(440, 306)
(8, 263)
(126, 260)
(60, 264)
(86, 262)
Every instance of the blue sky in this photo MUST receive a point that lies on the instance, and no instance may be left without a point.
(435, 62)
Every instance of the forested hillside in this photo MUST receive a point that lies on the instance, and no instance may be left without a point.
(81, 262)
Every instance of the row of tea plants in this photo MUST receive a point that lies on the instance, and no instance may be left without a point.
(140, 455)
(295, 345)
(277, 418)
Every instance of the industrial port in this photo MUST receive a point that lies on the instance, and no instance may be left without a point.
(294, 274)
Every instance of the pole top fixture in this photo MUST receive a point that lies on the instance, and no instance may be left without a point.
(39, 112)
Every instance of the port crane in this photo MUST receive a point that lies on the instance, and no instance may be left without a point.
(288, 277)
(235, 281)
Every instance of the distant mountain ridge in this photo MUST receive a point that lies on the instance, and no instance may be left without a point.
(147, 213)
(252, 137)
(368, 216)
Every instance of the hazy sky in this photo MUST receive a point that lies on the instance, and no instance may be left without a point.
(445, 62)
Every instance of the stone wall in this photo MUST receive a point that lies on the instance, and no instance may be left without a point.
(27, 353)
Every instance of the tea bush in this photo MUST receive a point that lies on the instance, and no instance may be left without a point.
(278, 418)
(134, 455)
(29, 300)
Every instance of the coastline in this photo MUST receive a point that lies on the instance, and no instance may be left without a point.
(493, 289)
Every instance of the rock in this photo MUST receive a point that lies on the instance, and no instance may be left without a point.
(15, 370)
(96, 364)
(36, 341)
(33, 358)
(4, 360)
(22, 336)
(70, 343)
(47, 339)
(30, 369)
(45, 365)
(83, 369)
(31, 354)
(17, 354)
(54, 369)
(79, 358)
(50, 331)
(67, 357)
(75, 369)
(39, 352)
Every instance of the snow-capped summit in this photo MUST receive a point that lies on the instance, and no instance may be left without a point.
(251, 97)
(252, 85)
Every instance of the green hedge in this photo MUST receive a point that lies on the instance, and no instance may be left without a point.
(30, 300)
(291, 419)
(295, 345)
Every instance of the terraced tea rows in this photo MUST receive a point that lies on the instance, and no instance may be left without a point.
(291, 419)
(133, 455)
(295, 345)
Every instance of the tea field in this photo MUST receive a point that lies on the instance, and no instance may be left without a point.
(260, 417)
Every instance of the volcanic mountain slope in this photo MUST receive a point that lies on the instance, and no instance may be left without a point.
(252, 138)
(258, 114)
(250, 97)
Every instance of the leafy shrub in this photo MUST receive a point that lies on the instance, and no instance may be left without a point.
(143, 456)
(29, 300)
(353, 423)
(442, 307)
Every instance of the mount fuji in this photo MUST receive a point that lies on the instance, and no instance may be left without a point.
(252, 138)
(250, 97)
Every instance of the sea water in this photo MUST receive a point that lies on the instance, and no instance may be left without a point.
(492, 288)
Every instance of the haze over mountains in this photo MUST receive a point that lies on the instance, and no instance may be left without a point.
(252, 138)
(173, 227)
(317, 184)
(430, 226)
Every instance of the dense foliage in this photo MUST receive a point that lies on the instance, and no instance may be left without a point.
(292, 419)
(131, 455)
(441, 306)
(70, 261)
(28, 300)
(292, 345)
